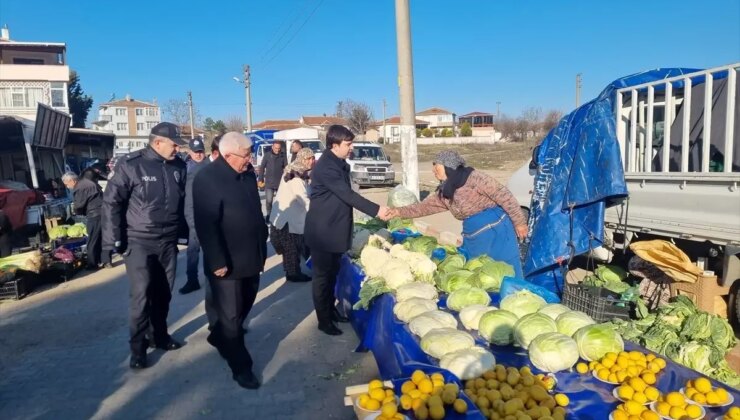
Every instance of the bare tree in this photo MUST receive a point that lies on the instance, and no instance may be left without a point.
(359, 116)
(532, 118)
(551, 120)
(507, 127)
(177, 111)
(234, 123)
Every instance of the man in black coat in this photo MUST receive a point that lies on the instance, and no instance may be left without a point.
(233, 235)
(195, 163)
(88, 200)
(271, 172)
(328, 230)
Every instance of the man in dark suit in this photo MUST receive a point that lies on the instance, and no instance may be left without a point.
(233, 236)
(88, 201)
(328, 230)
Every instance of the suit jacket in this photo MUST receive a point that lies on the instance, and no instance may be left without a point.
(229, 221)
(329, 219)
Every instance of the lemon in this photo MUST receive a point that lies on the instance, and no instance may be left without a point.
(690, 392)
(723, 395)
(734, 413)
(633, 371)
(437, 377)
(693, 411)
(407, 387)
(633, 408)
(612, 378)
(406, 402)
(562, 400)
(639, 397)
(417, 376)
(675, 399)
(677, 412)
(426, 386)
(377, 394)
(375, 383)
(650, 357)
(638, 384)
(621, 376)
(460, 406)
(653, 367)
(702, 385)
(649, 378)
(623, 362)
(649, 415)
(636, 355)
(664, 409)
(712, 398)
(607, 363)
(414, 394)
(603, 374)
(660, 362)
(625, 392)
(620, 415)
(388, 399)
(372, 405)
(389, 393)
(699, 398)
(592, 364)
(581, 368)
(416, 403)
(652, 393)
(389, 409)
(362, 400)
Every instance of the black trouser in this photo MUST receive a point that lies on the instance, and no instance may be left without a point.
(150, 268)
(269, 198)
(107, 256)
(94, 243)
(325, 269)
(233, 299)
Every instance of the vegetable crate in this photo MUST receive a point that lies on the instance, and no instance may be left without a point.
(599, 303)
(704, 293)
(17, 288)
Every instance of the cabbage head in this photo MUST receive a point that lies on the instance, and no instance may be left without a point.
(58, 232)
(467, 296)
(416, 289)
(553, 310)
(522, 303)
(594, 341)
(470, 315)
(468, 363)
(477, 262)
(721, 333)
(497, 327)
(570, 322)
(422, 244)
(530, 326)
(553, 352)
(459, 279)
(451, 263)
(441, 341)
(492, 273)
(413, 307)
(420, 325)
(78, 230)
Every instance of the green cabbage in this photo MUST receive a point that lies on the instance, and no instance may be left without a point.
(477, 262)
(570, 322)
(497, 327)
(697, 326)
(398, 224)
(441, 341)
(422, 244)
(553, 310)
(451, 263)
(458, 279)
(721, 334)
(467, 296)
(492, 273)
(58, 232)
(522, 303)
(368, 291)
(530, 326)
(553, 352)
(77, 230)
(594, 341)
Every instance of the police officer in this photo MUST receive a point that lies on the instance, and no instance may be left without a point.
(143, 207)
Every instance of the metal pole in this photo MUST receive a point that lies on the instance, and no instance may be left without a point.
(578, 89)
(406, 96)
(498, 110)
(192, 123)
(385, 135)
(248, 92)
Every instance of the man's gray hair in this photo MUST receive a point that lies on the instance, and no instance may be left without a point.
(232, 141)
(70, 176)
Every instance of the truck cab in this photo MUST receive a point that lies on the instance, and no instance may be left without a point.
(369, 165)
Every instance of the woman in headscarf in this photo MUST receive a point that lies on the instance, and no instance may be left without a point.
(288, 214)
(492, 218)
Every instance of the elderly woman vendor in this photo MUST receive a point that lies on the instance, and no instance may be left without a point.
(492, 219)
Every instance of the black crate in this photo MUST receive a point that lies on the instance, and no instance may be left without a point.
(16, 288)
(597, 302)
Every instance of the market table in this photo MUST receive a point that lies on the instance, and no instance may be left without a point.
(397, 354)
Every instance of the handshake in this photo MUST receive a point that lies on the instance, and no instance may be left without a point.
(387, 213)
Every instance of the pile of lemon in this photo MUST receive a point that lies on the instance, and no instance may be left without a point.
(701, 392)
(675, 406)
(732, 414)
(427, 396)
(380, 398)
(507, 392)
(623, 366)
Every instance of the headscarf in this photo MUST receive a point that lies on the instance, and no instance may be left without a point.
(299, 166)
(456, 171)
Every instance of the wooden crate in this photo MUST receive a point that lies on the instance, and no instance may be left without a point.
(703, 293)
(51, 223)
(352, 393)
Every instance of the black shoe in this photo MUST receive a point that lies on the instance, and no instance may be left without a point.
(107, 265)
(91, 267)
(212, 341)
(137, 362)
(189, 287)
(246, 380)
(330, 329)
(167, 346)
(299, 278)
(337, 317)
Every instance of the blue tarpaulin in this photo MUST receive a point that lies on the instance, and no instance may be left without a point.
(397, 353)
(579, 174)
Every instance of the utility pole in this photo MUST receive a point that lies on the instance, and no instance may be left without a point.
(248, 92)
(406, 97)
(385, 136)
(498, 110)
(579, 84)
(192, 123)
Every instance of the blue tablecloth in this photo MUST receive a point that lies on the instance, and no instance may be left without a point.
(398, 354)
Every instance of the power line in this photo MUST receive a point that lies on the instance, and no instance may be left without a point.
(295, 33)
(299, 12)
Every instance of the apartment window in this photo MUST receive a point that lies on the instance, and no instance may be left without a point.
(139, 111)
(151, 112)
(139, 126)
(57, 95)
(21, 97)
(121, 126)
(394, 131)
(121, 111)
(150, 125)
(21, 60)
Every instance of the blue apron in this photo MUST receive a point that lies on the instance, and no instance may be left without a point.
(491, 232)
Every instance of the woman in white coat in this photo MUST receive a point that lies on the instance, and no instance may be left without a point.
(288, 214)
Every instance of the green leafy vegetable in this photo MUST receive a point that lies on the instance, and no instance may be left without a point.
(421, 244)
(369, 290)
(467, 296)
(398, 224)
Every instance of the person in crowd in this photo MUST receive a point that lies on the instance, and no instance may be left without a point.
(6, 235)
(233, 235)
(196, 162)
(143, 206)
(88, 201)
(294, 148)
(288, 215)
(271, 171)
(492, 218)
(328, 228)
(214, 148)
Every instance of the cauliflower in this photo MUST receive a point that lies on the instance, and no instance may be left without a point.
(420, 325)
(413, 307)
(373, 261)
(416, 289)
(421, 266)
(396, 273)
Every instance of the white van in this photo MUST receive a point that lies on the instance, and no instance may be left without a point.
(369, 165)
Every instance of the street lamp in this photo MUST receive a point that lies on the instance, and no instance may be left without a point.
(247, 94)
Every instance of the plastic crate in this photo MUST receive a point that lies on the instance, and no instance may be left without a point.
(597, 302)
(17, 288)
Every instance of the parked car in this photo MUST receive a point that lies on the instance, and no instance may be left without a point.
(369, 165)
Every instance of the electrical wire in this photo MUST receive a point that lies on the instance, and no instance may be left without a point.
(295, 33)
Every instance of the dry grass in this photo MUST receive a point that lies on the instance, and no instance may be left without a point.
(500, 156)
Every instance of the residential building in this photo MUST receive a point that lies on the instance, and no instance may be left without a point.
(480, 122)
(322, 122)
(391, 128)
(131, 120)
(277, 125)
(437, 118)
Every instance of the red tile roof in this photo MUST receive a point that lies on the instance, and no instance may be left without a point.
(434, 111)
(322, 120)
(476, 114)
(397, 120)
(277, 125)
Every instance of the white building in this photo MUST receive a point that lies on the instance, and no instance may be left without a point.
(437, 118)
(131, 121)
(390, 129)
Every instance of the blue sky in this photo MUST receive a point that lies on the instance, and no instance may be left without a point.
(467, 54)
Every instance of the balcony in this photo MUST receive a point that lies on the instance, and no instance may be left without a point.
(32, 72)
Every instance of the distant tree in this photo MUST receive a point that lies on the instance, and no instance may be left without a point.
(418, 132)
(177, 111)
(79, 103)
(219, 127)
(532, 117)
(234, 123)
(521, 127)
(466, 130)
(446, 132)
(427, 132)
(507, 127)
(208, 124)
(359, 116)
(552, 118)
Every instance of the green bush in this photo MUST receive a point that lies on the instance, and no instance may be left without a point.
(466, 130)
(427, 132)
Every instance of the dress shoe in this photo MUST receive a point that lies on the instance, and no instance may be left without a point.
(189, 287)
(211, 339)
(246, 380)
(298, 278)
(337, 317)
(171, 344)
(137, 362)
(330, 329)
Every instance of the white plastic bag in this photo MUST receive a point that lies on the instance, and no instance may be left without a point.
(401, 196)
